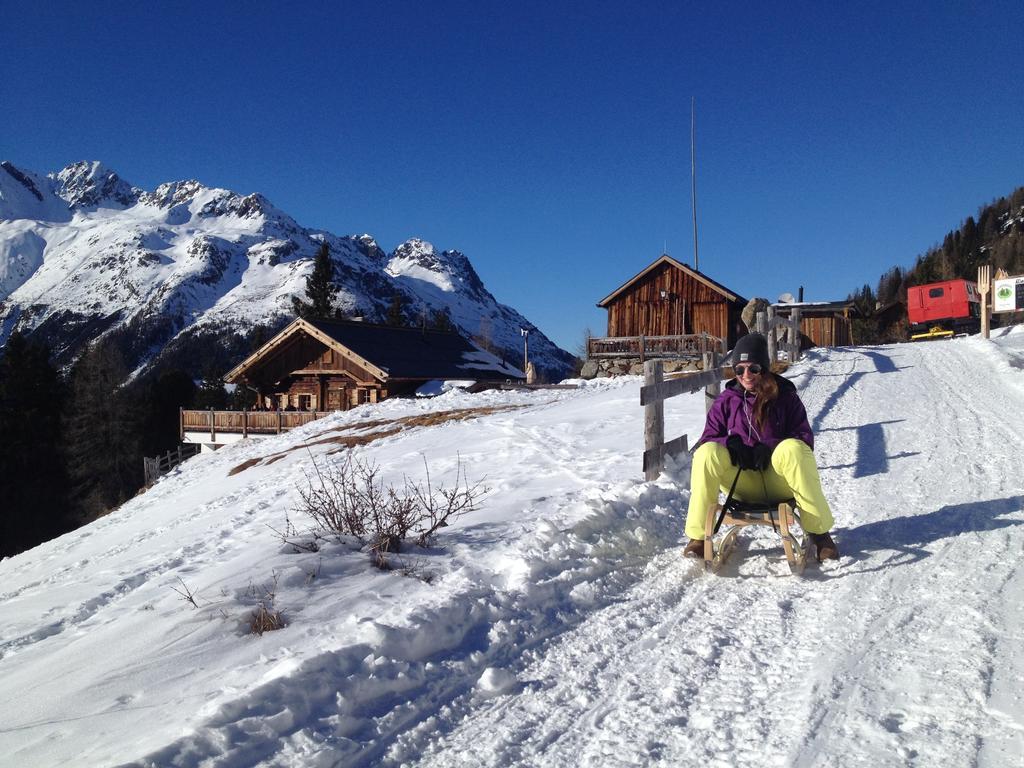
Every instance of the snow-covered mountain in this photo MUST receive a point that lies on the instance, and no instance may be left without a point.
(188, 268)
(558, 624)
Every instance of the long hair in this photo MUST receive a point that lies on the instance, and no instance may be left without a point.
(767, 390)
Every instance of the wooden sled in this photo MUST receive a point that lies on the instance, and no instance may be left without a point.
(740, 514)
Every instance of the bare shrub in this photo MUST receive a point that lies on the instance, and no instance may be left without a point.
(291, 537)
(348, 498)
(186, 594)
(442, 505)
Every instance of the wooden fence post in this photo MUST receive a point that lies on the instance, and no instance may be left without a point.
(213, 427)
(773, 346)
(245, 422)
(654, 419)
(279, 420)
(984, 284)
(642, 359)
(761, 323)
(795, 356)
(711, 391)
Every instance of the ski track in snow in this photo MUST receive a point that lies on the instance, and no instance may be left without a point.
(568, 629)
(854, 665)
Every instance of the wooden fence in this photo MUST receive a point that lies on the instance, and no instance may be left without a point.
(656, 389)
(692, 345)
(783, 334)
(160, 465)
(244, 422)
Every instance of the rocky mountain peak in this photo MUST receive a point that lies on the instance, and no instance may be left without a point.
(453, 266)
(22, 179)
(173, 193)
(92, 185)
(419, 252)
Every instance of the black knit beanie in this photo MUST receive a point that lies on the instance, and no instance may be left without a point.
(752, 348)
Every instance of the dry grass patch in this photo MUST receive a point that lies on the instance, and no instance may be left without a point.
(244, 466)
(265, 617)
(347, 440)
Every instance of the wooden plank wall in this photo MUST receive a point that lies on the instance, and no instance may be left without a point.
(305, 353)
(317, 387)
(827, 331)
(692, 307)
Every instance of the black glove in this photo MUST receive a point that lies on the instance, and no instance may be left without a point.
(760, 457)
(734, 444)
(740, 454)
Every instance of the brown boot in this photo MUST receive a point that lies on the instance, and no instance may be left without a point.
(827, 549)
(695, 548)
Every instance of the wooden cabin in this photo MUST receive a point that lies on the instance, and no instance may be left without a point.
(329, 365)
(823, 324)
(668, 298)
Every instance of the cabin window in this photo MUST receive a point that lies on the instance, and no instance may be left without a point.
(364, 395)
(934, 293)
(305, 402)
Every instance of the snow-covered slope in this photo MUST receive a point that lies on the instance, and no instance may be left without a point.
(82, 251)
(558, 624)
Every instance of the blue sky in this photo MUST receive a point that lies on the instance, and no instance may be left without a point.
(550, 142)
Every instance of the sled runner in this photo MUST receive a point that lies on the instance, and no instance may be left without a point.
(739, 514)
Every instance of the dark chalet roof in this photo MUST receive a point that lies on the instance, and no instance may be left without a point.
(393, 352)
(413, 353)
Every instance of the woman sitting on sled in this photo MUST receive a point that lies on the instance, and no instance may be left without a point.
(758, 425)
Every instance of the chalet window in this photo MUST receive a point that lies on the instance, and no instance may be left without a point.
(305, 402)
(364, 395)
(934, 293)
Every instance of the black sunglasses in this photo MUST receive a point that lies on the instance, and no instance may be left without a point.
(754, 368)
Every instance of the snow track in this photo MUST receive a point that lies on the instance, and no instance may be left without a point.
(888, 658)
(560, 624)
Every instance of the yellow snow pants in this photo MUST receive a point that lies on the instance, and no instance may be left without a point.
(792, 475)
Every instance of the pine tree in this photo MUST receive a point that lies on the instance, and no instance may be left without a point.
(441, 320)
(211, 392)
(395, 314)
(102, 429)
(33, 484)
(163, 396)
(320, 288)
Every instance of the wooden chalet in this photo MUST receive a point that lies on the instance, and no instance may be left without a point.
(669, 300)
(823, 324)
(329, 365)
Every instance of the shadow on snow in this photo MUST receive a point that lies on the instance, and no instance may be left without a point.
(872, 453)
(911, 535)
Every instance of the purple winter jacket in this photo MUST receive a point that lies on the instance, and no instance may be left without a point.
(732, 413)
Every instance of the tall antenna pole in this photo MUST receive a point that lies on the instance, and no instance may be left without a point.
(693, 177)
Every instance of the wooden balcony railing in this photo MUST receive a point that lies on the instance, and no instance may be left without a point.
(691, 345)
(244, 422)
